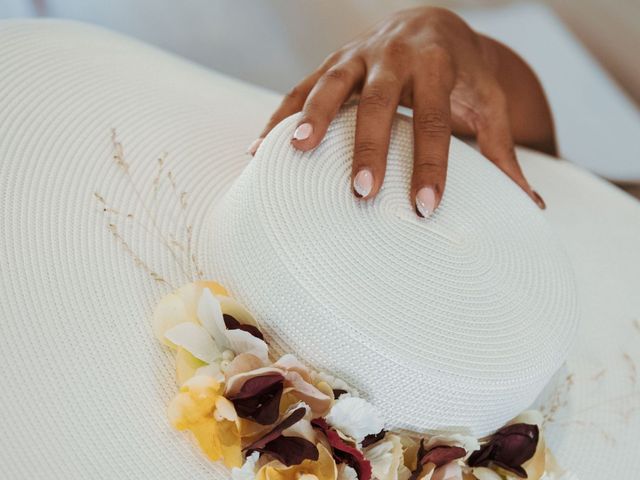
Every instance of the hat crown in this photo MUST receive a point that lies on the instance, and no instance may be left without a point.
(454, 322)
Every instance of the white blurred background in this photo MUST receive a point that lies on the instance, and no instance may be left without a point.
(585, 51)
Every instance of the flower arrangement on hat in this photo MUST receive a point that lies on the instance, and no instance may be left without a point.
(279, 420)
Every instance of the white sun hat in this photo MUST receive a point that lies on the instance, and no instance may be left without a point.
(455, 322)
(471, 311)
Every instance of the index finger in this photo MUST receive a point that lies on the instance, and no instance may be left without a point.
(292, 103)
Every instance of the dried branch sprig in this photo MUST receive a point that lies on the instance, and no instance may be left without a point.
(181, 252)
(118, 155)
(118, 152)
(558, 400)
(113, 228)
(633, 368)
(156, 180)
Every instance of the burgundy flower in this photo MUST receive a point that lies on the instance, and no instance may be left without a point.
(233, 324)
(259, 398)
(508, 448)
(439, 455)
(373, 438)
(288, 450)
(343, 452)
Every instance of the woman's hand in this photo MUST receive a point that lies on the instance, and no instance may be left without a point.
(453, 78)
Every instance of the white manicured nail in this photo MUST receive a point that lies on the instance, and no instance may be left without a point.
(363, 182)
(303, 131)
(425, 201)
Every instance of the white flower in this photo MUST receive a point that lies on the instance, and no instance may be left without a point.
(355, 417)
(345, 472)
(208, 340)
(385, 456)
(248, 469)
(196, 340)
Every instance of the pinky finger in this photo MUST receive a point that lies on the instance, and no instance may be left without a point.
(496, 143)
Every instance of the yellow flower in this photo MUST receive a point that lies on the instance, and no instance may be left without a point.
(181, 306)
(322, 469)
(201, 408)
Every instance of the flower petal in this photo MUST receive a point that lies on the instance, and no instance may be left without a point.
(484, 473)
(442, 455)
(373, 438)
(194, 409)
(210, 315)
(186, 365)
(262, 444)
(232, 324)
(467, 442)
(243, 363)
(170, 311)
(290, 362)
(225, 409)
(355, 417)
(290, 450)
(322, 469)
(234, 308)
(508, 448)
(195, 339)
(450, 471)
(235, 382)
(212, 370)
(343, 452)
(319, 402)
(345, 472)
(294, 417)
(259, 398)
(240, 342)
(434, 457)
(385, 457)
(215, 287)
(248, 469)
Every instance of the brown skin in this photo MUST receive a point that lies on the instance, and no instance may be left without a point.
(455, 80)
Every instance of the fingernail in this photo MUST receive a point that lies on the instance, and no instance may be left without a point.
(425, 201)
(303, 131)
(539, 201)
(253, 148)
(363, 183)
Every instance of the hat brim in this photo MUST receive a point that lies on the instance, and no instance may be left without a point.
(89, 243)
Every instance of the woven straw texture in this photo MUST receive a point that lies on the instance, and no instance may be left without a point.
(455, 322)
(85, 383)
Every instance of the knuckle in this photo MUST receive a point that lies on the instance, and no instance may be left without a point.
(366, 148)
(376, 97)
(432, 122)
(385, 79)
(498, 98)
(432, 164)
(397, 47)
(337, 74)
(293, 95)
(438, 55)
(332, 58)
(493, 97)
